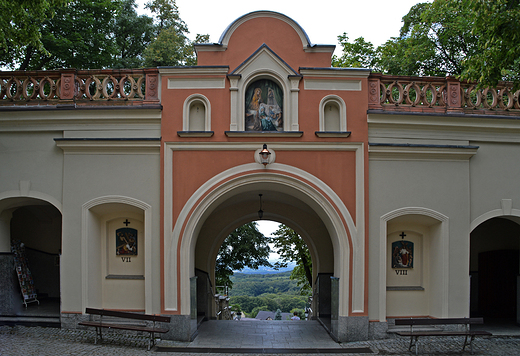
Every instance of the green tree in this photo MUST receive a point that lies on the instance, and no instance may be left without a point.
(291, 248)
(244, 247)
(359, 54)
(171, 46)
(472, 39)
(80, 35)
(133, 33)
(21, 25)
(496, 25)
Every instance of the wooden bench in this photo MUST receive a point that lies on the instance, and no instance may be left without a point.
(99, 324)
(467, 333)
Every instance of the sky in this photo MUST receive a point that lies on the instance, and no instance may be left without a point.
(267, 227)
(324, 21)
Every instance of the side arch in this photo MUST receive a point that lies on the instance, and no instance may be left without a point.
(505, 211)
(426, 217)
(90, 222)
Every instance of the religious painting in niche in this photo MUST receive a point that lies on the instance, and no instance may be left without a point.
(264, 106)
(126, 241)
(402, 254)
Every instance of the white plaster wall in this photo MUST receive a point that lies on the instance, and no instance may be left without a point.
(90, 176)
(442, 186)
(33, 157)
(495, 172)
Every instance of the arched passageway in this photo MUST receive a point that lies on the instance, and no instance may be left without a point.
(495, 270)
(281, 207)
(322, 221)
(31, 275)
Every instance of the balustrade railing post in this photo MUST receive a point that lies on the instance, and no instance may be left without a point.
(152, 85)
(454, 95)
(374, 91)
(67, 84)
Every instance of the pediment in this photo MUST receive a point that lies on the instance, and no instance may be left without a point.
(264, 59)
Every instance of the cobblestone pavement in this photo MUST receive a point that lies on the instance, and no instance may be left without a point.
(28, 341)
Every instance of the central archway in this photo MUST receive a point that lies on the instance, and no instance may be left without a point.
(291, 196)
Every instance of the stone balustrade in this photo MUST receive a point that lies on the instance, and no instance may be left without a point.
(435, 94)
(83, 87)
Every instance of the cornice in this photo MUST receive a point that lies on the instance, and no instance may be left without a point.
(310, 72)
(194, 70)
(448, 127)
(109, 145)
(415, 152)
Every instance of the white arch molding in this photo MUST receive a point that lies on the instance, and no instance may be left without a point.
(383, 224)
(317, 194)
(30, 194)
(147, 212)
(342, 107)
(323, 197)
(186, 123)
(505, 211)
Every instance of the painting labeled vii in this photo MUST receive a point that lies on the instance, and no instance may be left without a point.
(126, 241)
(402, 254)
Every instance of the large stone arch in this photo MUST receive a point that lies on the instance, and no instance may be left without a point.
(348, 244)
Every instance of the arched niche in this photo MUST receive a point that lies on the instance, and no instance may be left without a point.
(333, 114)
(197, 114)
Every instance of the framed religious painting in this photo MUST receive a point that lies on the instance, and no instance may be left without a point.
(402, 254)
(126, 242)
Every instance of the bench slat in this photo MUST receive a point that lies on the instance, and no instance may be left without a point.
(445, 321)
(127, 315)
(444, 333)
(123, 327)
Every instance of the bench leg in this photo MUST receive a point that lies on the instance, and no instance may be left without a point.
(413, 342)
(98, 335)
(151, 341)
(470, 343)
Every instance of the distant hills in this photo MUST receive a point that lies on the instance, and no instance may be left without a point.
(267, 270)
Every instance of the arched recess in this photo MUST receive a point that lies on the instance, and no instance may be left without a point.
(197, 113)
(100, 218)
(286, 182)
(264, 64)
(495, 265)
(431, 230)
(275, 76)
(34, 219)
(333, 114)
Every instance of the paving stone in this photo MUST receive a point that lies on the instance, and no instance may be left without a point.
(29, 341)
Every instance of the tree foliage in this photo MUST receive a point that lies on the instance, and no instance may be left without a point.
(244, 247)
(292, 248)
(257, 284)
(472, 39)
(93, 34)
(21, 23)
(133, 33)
(80, 35)
(171, 46)
(497, 28)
